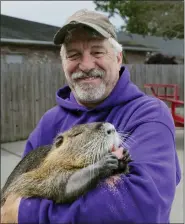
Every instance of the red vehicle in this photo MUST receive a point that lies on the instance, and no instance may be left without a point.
(171, 99)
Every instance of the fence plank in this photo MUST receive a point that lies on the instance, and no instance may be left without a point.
(29, 89)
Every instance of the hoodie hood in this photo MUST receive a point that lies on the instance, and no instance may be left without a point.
(123, 92)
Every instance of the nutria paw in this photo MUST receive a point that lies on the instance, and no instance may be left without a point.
(109, 163)
(123, 163)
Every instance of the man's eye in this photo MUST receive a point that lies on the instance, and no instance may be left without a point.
(98, 53)
(73, 56)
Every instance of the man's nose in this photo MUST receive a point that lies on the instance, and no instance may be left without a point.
(87, 63)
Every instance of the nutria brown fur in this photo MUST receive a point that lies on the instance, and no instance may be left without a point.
(78, 159)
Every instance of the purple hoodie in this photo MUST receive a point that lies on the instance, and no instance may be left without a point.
(143, 196)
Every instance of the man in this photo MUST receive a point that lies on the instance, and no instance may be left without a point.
(100, 90)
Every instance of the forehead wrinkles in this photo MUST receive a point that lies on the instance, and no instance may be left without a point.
(84, 45)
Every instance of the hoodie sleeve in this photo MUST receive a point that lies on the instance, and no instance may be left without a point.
(143, 196)
(42, 135)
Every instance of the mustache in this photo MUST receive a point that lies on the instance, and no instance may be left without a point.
(92, 73)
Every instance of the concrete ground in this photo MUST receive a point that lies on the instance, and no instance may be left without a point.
(11, 155)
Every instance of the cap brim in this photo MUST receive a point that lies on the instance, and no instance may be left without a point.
(60, 35)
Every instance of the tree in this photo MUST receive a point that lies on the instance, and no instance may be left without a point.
(158, 18)
(158, 58)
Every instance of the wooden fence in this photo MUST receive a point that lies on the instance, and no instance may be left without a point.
(28, 90)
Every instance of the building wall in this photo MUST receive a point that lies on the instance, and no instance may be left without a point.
(52, 54)
(18, 53)
(135, 57)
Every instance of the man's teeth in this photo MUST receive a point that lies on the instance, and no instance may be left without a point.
(90, 78)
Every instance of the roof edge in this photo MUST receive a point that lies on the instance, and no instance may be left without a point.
(50, 43)
(139, 48)
(22, 41)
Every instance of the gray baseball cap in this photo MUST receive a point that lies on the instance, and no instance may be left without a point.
(92, 19)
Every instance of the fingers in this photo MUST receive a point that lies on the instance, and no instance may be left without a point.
(118, 153)
(123, 155)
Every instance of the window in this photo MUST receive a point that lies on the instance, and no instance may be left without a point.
(13, 58)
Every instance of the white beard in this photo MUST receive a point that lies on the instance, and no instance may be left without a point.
(89, 93)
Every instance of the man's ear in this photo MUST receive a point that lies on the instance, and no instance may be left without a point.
(120, 58)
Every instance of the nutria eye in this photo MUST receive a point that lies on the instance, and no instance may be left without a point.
(78, 133)
(59, 141)
(110, 131)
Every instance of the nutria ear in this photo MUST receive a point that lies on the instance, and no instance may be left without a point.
(59, 140)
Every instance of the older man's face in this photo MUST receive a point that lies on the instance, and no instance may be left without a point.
(91, 67)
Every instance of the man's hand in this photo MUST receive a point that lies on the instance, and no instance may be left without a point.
(9, 211)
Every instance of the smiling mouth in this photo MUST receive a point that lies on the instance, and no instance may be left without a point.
(88, 79)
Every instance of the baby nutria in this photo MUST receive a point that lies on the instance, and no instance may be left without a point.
(78, 159)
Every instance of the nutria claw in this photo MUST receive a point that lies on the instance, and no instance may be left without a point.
(126, 157)
(123, 163)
